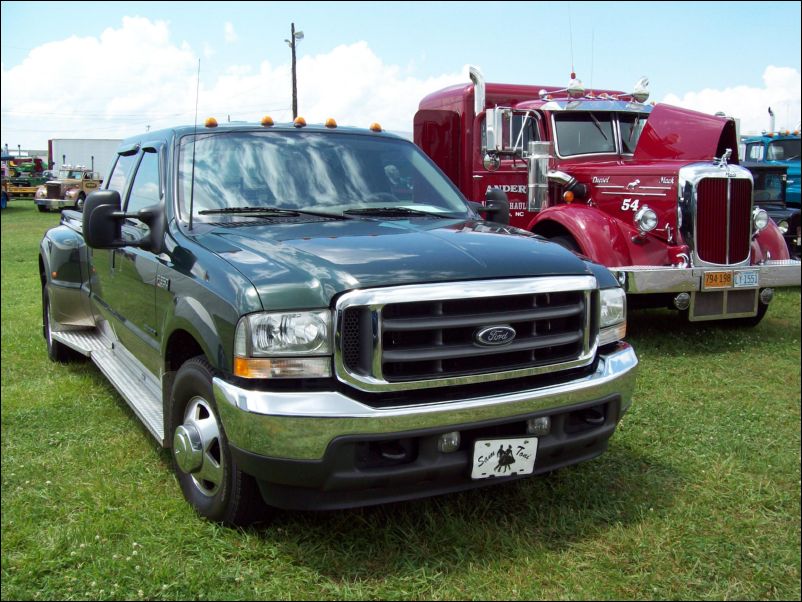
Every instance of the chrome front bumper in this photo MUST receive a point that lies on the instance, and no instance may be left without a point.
(662, 279)
(301, 425)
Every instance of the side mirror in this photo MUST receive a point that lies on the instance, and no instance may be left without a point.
(497, 207)
(153, 216)
(102, 220)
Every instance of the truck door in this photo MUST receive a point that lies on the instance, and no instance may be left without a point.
(509, 174)
(126, 277)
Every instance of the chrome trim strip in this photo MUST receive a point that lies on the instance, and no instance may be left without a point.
(376, 299)
(638, 193)
(301, 425)
(666, 279)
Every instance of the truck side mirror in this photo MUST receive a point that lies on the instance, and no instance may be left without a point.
(153, 216)
(497, 207)
(102, 220)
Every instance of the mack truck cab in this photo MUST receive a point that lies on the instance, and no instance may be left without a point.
(655, 193)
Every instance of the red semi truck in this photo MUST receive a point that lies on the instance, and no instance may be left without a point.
(655, 193)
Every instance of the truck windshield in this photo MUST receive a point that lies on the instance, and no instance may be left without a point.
(323, 172)
(784, 150)
(590, 132)
(584, 133)
(69, 174)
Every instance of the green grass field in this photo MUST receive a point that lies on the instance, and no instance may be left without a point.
(698, 496)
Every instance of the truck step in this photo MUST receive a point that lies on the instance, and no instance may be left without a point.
(140, 389)
(136, 389)
(83, 341)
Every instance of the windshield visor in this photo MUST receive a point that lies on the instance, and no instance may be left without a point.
(309, 171)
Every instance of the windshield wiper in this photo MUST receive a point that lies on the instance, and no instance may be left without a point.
(393, 212)
(270, 210)
(598, 126)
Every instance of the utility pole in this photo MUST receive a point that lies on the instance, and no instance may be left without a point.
(294, 35)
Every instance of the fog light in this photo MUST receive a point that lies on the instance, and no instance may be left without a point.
(448, 442)
(766, 295)
(682, 301)
(538, 426)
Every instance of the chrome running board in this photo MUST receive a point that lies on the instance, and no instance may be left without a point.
(140, 389)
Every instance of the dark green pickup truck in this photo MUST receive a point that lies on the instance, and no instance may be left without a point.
(315, 318)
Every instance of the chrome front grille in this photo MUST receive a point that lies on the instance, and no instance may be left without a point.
(722, 216)
(428, 335)
(53, 191)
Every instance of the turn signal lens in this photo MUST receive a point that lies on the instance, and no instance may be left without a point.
(299, 122)
(375, 127)
(211, 122)
(568, 196)
(267, 121)
(330, 123)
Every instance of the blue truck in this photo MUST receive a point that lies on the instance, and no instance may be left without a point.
(780, 148)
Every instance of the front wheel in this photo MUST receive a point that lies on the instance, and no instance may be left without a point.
(209, 478)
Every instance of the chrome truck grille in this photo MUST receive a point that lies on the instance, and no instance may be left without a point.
(53, 191)
(718, 202)
(433, 335)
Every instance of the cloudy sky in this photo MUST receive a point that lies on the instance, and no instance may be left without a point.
(112, 69)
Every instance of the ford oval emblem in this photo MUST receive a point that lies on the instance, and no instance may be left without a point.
(495, 335)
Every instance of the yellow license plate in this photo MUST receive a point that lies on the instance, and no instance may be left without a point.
(718, 280)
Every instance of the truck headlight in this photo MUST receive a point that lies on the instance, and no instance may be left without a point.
(41, 192)
(283, 345)
(760, 219)
(646, 219)
(613, 315)
(783, 226)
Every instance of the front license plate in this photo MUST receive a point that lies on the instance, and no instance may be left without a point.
(718, 280)
(746, 279)
(503, 457)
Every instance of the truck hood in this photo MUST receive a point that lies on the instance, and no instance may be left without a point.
(682, 134)
(306, 265)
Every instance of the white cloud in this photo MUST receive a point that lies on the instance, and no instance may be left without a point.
(230, 35)
(780, 91)
(120, 93)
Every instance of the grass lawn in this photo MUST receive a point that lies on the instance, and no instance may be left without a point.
(698, 496)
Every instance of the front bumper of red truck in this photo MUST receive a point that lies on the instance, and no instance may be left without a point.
(326, 450)
(715, 292)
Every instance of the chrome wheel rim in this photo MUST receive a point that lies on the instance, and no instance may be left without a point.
(198, 447)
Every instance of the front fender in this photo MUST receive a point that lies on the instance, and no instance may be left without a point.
(769, 244)
(597, 235)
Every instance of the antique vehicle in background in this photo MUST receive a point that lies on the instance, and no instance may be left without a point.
(770, 193)
(314, 317)
(655, 193)
(70, 189)
(778, 148)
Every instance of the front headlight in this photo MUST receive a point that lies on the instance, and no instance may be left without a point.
(613, 315)
(760, 219)
(783, 226)
(41, 192)
(646, 219)
(282, 345)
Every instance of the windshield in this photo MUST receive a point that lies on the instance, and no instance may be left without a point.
(69, 174)
(784, 150)
(592, 132)
(584, 133)
(631, 125)
(309, 171)
(769, 186)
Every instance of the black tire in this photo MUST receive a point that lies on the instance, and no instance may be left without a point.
(56, 351)
(566, 241)
(216, 488)
(41, 208)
